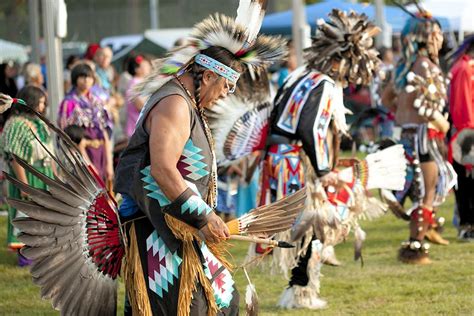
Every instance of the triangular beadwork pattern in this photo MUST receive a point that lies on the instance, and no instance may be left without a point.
(191, 163)
(163, 265)
(222, 283)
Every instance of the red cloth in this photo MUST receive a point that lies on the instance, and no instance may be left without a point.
(427, 215)
(433, 133)
(91, 50)
(461, 93)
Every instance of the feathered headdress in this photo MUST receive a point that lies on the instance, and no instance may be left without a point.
(238, 36)
(416, 32)
(343, 48)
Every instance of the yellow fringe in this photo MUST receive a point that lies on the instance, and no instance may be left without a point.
(134, 278)
(233, 226)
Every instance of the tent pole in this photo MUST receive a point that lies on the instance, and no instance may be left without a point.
(54, 57)
(33, 13)
(300, 30)
(384, 38)
(154, 14)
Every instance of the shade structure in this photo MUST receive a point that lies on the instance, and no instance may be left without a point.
(152, 42)
(13, 51)
(280, 22)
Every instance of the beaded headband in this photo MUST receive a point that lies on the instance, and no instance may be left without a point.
(218, 67)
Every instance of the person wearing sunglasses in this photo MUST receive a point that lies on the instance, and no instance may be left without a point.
(167, 175)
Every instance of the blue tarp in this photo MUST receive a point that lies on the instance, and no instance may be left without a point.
(280, 22)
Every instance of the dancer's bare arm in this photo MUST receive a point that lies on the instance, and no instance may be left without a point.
(168, 124)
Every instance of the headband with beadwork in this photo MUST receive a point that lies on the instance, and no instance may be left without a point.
(218, 67)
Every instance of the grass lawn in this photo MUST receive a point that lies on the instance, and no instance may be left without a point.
(382, 286)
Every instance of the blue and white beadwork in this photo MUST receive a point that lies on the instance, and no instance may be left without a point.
(221, 279)
(195, 205)
(191, 163)
(163, 265)
(217, 67)
(155, 191)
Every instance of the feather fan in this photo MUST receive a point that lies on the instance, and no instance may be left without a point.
(71, 233)
(270, 219)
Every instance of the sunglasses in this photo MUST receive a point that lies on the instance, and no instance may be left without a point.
(230, 87)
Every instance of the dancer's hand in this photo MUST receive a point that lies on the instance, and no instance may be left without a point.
(215, 230)
(329, 179)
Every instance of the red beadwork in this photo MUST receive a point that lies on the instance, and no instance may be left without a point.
(104, 241)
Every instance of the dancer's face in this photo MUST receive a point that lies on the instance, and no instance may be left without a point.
(41, 105)
(213, 88)
(84, 83)
(435, 41)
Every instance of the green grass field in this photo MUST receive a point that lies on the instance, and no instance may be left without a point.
(383, 286)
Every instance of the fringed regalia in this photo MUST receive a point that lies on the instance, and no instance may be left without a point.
(72, 230)
(303, 145)
(184, 274)
(173, 259)
(421, 95)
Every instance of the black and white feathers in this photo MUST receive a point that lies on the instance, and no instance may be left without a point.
(71, 233)
(343, 48)
(239, 36)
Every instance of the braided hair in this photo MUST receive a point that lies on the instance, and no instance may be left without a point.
(197, 79)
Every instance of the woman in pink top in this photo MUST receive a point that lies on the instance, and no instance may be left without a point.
(138, 67)
(82, 108)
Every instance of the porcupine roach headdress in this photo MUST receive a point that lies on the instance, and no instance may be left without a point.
(346, 39)
(238, 36)
(415, 34)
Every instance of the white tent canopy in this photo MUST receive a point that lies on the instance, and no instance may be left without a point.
(13, 51)
(459, 12)
(167, 37)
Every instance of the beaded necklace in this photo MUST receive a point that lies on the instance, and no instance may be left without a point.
(212, 194)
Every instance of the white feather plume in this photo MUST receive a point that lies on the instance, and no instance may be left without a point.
(250, 14)
(386, 169)
(251, 298)
(359, 236)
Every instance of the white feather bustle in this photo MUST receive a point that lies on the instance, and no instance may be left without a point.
(387, 169)
(224, 115)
